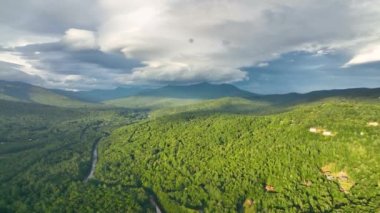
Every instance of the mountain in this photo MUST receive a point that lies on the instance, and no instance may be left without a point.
(227, 154)
(22, 92)
(102, 95)
(198, 91)
(167, 96)
(178, 96)
(296, 98)
(150, 102)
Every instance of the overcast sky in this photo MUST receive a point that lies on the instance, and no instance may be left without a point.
(266, 46)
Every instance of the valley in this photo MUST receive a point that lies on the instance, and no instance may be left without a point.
(200, 152)
(200, 106)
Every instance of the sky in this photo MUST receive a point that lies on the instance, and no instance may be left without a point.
(262, 46)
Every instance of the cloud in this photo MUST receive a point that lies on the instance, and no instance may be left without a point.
(59, 66)
(54, 68)
(115, 42)
(368, 54)
(79, 39)
(235, 34)
(22, 64)
(57, 56)
(170, 72)
(14, 67)
(10, 38)
(11, 72)
(47, 17)
(304, 72)
(263, 64)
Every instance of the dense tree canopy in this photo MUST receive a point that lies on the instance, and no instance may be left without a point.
(216, 162)
(219, 156)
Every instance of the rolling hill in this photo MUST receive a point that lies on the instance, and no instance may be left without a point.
(22, 92)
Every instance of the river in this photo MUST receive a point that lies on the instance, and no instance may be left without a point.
(94, 160)
(93, 167)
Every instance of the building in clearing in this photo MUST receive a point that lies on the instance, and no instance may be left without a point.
(372, 123)
(343, 175)
(315, 130)
(322, 131)
(327, 133)
(269, 188)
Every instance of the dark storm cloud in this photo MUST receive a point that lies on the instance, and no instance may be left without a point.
(63, 67)
(58, 58)
(91, 68)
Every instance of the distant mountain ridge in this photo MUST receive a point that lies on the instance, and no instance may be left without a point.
(176, 96)
(99, 95)
(198, 91)
(23, 92)
(294, 98)
(167, 95)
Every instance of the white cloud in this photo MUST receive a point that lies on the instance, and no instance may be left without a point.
(227, 35)
(79, 39)
(368, 54)
(182, 72)
(16, 65)
(22, 64)
(183, 40)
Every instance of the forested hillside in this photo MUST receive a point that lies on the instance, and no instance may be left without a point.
(314, 158)
(222, 155)
(22, 92)
(45, 156)
(192, 106)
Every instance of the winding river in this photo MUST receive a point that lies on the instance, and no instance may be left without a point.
(154, 203)
(94, 160)
(93, 167)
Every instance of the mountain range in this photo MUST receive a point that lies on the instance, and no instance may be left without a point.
(23, 92)
(171, 95)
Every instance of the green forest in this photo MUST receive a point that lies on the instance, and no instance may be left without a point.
(189, 106)
(222, 155)
(219, 162)
(45, 155)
